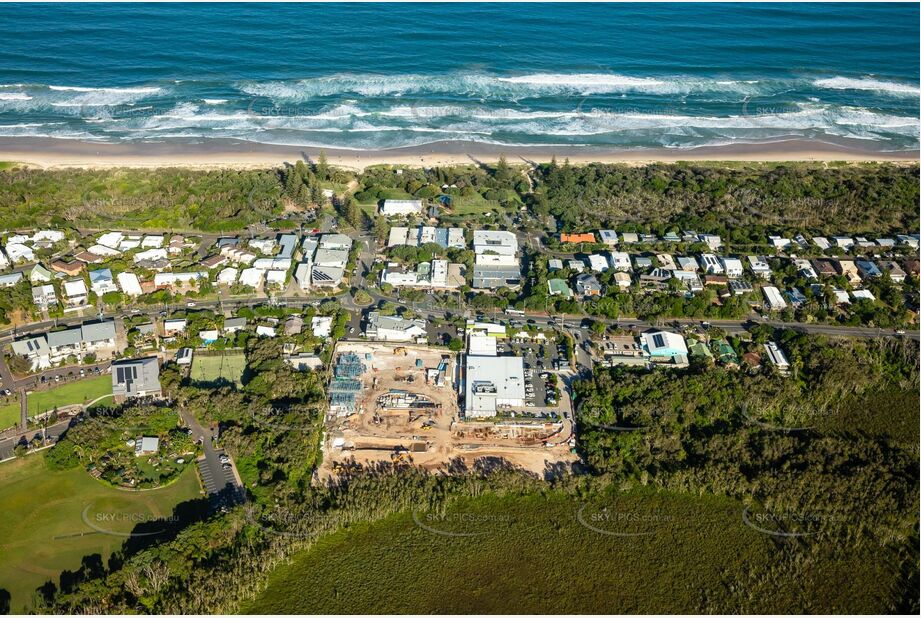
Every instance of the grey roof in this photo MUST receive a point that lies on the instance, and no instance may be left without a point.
(495, 276)
(98, 331)
(71, 336)
(235, 323)
(146, 329)
(30, 346)
(132, 377)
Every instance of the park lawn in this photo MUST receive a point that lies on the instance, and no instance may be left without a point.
(228, 366)
(693, 554)
(9, 414)
(468, 205)
(81, 391)
(42, 523)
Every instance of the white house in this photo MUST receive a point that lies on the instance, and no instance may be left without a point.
(321, 325)
(251, 277)
(711, 264)
(597, 263)
(393, 208)
(759, 266)
(44, 296)
(732, 267)
(129, 284)
(101, 282)
(774, 298)
(620, 261)
(75, 294)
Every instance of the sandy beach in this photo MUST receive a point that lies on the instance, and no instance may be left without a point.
(57, 153)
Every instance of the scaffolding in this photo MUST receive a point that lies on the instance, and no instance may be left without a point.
(346, 383)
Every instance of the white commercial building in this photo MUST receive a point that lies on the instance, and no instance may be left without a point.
(493, 383)
(392, 208)
(393, 328)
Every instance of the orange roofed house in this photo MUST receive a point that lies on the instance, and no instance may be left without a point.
(575, 238)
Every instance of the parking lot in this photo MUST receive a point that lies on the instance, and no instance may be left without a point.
(541, 358)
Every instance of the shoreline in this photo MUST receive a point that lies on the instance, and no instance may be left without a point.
(52, 153)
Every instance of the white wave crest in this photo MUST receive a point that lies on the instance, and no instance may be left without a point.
(868, 83)
(490, 86)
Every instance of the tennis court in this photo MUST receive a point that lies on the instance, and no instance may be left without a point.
(216, 368)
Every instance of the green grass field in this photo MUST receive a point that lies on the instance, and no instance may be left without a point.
(9, 414)
(43, 531)
(211, 369)
(80, 391)
(531, 555)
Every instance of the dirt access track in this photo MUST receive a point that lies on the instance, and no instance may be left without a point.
(407, 412)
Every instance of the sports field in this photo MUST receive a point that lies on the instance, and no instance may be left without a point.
(216, 368)
(44, 527)
(81, 391)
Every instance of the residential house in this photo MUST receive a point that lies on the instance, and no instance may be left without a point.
(776, 357)
(621, 280)
(821, 242)
(35, 350)
(10, 279)
(711, 240)
(101, 282)
(577, 238)
(688, 263)
(773, 298)
(71, 269)
(868, 270)
(321, 326)
(558, 287)
(76, 295)
(227, 276)
(823, 268)
(588, 285)
(732, 267)
(598, 263)
(848, 269)
(711, 264)
(779, 243)
(608, 237)
(130, 284)
(758, 264)
(804, 268)
(844, 242)
(173, 326)
(136, 378)
(666, 261)
(740, 286)
(690, 280)
(895, 272)
(40, 274)
(44, 296)
(620, 261)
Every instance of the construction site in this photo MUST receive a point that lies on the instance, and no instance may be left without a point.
(398, 403)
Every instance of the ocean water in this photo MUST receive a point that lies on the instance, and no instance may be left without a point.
(375, 76)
